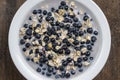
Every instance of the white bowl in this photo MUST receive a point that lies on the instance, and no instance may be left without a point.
(28, 72)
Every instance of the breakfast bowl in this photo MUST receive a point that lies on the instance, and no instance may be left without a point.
(101, 48)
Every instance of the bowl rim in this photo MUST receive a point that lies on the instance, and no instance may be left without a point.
(30, 74)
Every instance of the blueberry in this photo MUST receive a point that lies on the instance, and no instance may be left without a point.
(61, 68)
(67, 75)
(69, 59)
(89, 47)
(85, 58)
(48, 74)
(79, 60)
(61, 25)
(66, 20)
(29, 32)
(24, 49)
(62, 75)
(64, 63)
(31, 51)
(95, 33)
(76, 42)
(69, 35)
(79, 65)
(91, 58)
(40, 20)
(52, 18)
(93, 39)
(27, 45)
(38, 25)
(90, 30)
(73, 72)
(47, 18)
(28, 59)
(88, 53)
(39, 11)
(22, 41)
(43, 73)
(38, 70)
(46, 39)
(63, 3)
(67, 26)
(64, 47)
(38, 36)
(60, 51)
(77, 48)
(44, 12)
(49, 14)
(88, 42)
(65, 40)
(66, 7)
(52, 9)
(67, 51)
(75, 19)
(25, 25)
(80, 70)
(41, 65)
(79, 25)
(68, 44)
(35, 12)
(76, 33)
(85, 18)
(75, 63)
(50, 57)
(44, 69)
(30, 18)
(61, 7)
(52, 40)
(57, 76)
(50, 69)
(81, 33)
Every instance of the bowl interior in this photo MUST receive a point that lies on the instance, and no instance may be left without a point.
(86, 6)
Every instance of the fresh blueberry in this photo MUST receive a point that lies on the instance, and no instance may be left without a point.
(52, 9)
(61, 25)
(46, 38)
(49, 14)
(39, 11)
(86, 17)
(73, 72)
(61, 68)
(81, 33)
(63, 3)
(65, 40)
(85, 58)
(22, 41)
(50, 57)
(75, 63)
(44, 12)
(38, 70)
(75, 19)
(48, 74)
(89, 47)
(57, 76)
(67, 75)
(79, 65)
(77, 48)
(88, 53)
(64, 63)
(47, 18)
(44, 69)
(76, 42)
(61, 7)
(93, 39)
(25, 25)
(90, 30)
(50, 69)
(43, 73)
(60, 51)
(79, 60)
(80, 70)
(95, 33)
(27, 45)
(35, 12)
(69, 59)
(88, 42)
(29, 32)
(69, 34)
(67, 51)
(41, 65)
(38, 36)
(66, 7)
(24, 49)
(91, 58)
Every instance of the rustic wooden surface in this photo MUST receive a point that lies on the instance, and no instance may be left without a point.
(111, 71)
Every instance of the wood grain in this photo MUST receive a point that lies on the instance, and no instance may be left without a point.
(111, 71)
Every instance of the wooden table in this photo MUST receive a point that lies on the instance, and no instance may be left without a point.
(111, 71)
